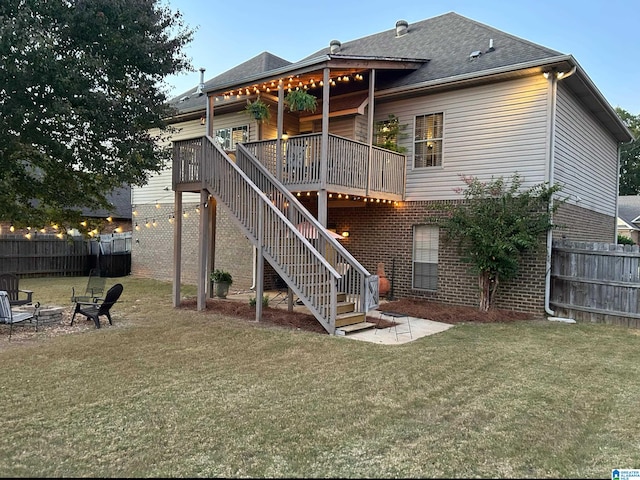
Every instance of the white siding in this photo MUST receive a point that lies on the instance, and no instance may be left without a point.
(491, 130)
(154, 191)
(586, 159)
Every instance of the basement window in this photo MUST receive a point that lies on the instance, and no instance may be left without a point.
(425, 257)
(428, 140)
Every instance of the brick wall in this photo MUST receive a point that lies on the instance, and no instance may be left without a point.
(152, 247)
(384, 233)
(584, 225)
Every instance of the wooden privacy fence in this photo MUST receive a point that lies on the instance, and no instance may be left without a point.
(596, 282)
(43, 255)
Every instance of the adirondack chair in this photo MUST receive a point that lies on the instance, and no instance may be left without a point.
(94, 289)
(10, 284)
(9, 317)
(94, 310)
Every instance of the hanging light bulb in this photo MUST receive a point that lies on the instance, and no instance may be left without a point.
(147, 224)
(137, 227)
(185, 214)
(28, 236)
(109, 219)
(157, 205)
(155, 224)
(172, 219)
(12, 228)
(198, 209)
(118, 229)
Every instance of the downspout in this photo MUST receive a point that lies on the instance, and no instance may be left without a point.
(553, 87)
(615, 232)
(253, 267)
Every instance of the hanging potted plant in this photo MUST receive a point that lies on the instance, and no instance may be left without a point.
(222, 280)
(301, 101)
(258, 110)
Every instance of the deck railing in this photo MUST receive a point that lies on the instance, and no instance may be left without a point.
(348, 164)
(273, 219)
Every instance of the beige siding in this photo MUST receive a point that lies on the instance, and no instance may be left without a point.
(154, 191)
(490, 130)
(586, 160)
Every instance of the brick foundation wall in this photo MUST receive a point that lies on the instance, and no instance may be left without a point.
(152, 247)
(384, 233)
(584, 225)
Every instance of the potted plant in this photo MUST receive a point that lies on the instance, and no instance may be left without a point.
(222, 280)
(301, 101)
(258, 110)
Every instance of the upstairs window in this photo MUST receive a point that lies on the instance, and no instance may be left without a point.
(229, 137)
(428, 140)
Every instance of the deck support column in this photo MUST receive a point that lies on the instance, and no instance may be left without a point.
(324, 151)
(260, 264)
(372, 85)
(177, 247)
(280, 124)
(213, 220)
(203, 240)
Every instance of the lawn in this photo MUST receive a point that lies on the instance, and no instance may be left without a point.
(177, 393)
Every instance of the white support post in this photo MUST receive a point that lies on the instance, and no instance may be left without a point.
(177, 247)
(260, 265)
(372, 85)
(324, 151)
(203, 239)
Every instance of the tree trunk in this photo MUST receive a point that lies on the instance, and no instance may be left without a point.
(488, 285)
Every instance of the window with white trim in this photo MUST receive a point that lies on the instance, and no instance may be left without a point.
(425, 257)
(427, 151)
(229, 137)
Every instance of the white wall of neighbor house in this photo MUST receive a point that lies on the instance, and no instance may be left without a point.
(490, 130)
(586, 162)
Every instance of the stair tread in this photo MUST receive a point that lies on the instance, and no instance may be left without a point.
(357, 326)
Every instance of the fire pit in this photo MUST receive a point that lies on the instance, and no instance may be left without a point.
(47, 313)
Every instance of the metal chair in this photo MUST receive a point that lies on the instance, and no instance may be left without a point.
(282, 289)
(10, 284)
(8, 316)
(94, 289)
(94, 310)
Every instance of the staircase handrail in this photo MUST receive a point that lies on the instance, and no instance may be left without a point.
(359, 276)
(225, 179)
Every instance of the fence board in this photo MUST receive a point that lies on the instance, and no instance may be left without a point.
(596, 282)
(44, 255)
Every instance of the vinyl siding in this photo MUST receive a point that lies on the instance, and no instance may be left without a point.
(586, 156)
(154, 191)
(490, 130)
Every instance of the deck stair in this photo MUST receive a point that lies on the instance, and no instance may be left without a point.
(314, 265)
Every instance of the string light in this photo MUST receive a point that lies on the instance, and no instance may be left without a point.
(137, 227)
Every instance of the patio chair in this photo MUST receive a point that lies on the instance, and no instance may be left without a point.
(282, 288)
(94, 310)
(9, 317)
(94, 289)
(10, 283)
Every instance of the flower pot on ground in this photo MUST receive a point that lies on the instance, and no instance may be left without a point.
(222, 280)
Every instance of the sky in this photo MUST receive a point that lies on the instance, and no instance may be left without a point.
(600, 34)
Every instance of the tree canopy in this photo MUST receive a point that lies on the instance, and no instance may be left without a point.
(81, 85)
(495, 224)
(630, 155)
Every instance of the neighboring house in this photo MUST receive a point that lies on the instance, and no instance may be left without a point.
(473, 100)
(629, 217)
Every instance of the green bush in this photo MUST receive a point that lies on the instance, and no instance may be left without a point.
(265, 301)
(622, 240)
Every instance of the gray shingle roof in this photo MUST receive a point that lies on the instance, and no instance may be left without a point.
(120, 198)
(629, 208)
(264, 62)
(447, 41)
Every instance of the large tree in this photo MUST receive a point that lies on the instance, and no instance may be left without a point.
(630, 155)
(496, 223)
(81, 85)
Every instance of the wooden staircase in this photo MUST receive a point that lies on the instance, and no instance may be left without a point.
(348, 320)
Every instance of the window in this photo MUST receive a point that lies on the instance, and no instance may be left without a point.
(229, 137)
(425, 257)
(428, 140)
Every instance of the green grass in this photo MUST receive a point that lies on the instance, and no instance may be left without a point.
(176, 393)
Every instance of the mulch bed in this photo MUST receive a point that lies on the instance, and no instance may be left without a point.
(419, 308)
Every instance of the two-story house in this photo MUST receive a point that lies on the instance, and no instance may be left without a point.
(471, 100)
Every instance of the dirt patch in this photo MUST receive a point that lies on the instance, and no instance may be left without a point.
(429, 310)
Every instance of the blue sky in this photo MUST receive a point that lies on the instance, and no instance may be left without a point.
(601, 35)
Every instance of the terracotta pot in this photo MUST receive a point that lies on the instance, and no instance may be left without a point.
(383, 281)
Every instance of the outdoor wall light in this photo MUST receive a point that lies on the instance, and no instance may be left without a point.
(203, 120)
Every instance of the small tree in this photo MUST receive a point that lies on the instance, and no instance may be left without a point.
(496, 224)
